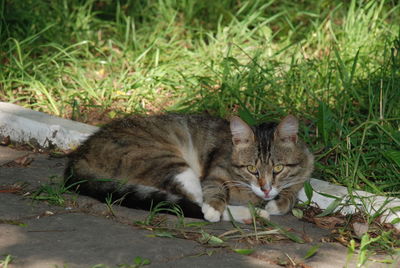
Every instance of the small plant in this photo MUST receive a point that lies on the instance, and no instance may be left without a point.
(164, 207)
(109, 203)
(52, 191)
(6, 261)
(364, 251)
(137, 262)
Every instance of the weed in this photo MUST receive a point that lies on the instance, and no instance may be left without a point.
(137, 262)
(110, 203)
(163, 207)
(52, 192)
(6, 261)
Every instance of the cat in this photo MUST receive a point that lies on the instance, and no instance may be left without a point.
(204, 164)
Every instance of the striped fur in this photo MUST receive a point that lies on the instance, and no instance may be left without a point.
(196, 161)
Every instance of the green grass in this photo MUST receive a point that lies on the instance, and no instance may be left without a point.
(334, 64)
(6, 260)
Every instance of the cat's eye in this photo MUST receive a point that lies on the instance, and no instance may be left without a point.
(252, 169)
(278, 168)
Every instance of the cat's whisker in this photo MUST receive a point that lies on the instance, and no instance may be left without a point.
(238, 184)
(287, 185)
(245, 187)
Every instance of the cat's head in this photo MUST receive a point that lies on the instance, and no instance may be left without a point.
(269, 157)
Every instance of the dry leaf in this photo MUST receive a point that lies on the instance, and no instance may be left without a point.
(11, 189)
(23, 160)
(328, 222)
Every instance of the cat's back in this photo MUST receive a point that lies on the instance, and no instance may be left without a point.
(189, 137)
(164, 129)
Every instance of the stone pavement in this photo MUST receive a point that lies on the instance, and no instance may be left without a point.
(83, 233)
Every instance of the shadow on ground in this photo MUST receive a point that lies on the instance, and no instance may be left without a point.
(83, 232)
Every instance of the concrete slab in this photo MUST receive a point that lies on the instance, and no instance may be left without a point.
(354, 201)
(79, 240)
(17, 208)
(42, 168)
(25, 125)
(7, 155)
(83, 233)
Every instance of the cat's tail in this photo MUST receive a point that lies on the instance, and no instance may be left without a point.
(132, 196)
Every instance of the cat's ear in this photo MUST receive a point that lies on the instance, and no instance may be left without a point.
(242, 134)
(287, 129)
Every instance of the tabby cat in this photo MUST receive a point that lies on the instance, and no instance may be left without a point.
(203, 164)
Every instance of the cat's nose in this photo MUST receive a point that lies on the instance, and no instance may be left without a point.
(266, 191)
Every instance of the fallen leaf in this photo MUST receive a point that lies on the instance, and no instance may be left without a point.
(10, 189)
(331, 208)
(298, 213)
(164, 234)
(210, 239)
(328, 222)
(311, 252)
(23, 160)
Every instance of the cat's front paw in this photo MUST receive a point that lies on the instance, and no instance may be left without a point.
(273, 209)
(210, 213)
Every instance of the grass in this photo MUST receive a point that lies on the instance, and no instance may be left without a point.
(334, 64)
(6, 260)
(54, 191)
(264, 231)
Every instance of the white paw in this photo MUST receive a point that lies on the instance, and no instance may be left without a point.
(263, 213)
(242, 214)
(210, 213)
(272, 208)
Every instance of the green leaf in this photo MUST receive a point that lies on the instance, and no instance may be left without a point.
(328, 195)
(308, 191)
(298, 213)
(210, 239)
(197, 223)
(395, 221)
(137, 260)
(215, 240)
(246, 115)
(146, 262)
(331, 208)
(324, 122)
(164, 234)
(292, 236)
(395, 209)
(244, 251)
(288, 234)
(393, 155)
(311, 252)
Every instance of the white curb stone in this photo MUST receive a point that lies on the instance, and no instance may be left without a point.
(25, 125)
(358, 200)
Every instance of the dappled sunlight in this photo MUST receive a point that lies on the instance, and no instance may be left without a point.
(42, 262)
(10, 235)
(78, 65)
